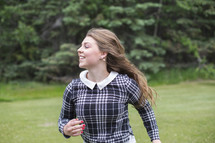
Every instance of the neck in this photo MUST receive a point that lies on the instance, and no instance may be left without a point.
(97, 75)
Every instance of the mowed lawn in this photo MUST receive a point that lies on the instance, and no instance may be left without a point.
(185, 113)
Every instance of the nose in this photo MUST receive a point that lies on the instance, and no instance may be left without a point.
(80, 50)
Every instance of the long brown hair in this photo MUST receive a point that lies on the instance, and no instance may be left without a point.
(116, 61)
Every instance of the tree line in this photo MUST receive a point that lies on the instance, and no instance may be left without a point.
(39, 38)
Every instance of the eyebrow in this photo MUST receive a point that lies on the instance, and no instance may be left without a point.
(86, 43)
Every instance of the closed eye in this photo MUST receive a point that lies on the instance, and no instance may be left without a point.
(86, 45)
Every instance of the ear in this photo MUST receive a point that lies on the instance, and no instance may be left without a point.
(103, 55)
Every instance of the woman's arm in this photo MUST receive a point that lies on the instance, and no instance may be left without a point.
(149, 121)
(67, 110)
(146, 112)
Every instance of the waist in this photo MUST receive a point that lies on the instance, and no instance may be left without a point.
(131, 139)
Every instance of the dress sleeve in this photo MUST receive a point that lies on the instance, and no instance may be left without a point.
(67, 110)
(146, 112)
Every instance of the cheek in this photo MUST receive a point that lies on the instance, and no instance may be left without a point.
(92, 59)
(92, 56)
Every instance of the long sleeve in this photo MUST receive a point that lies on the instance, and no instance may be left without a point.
(67, 110)
(146, 112)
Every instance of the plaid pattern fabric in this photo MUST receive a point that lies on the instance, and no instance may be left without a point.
(105, 111)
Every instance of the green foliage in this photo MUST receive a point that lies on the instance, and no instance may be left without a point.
(25, 70)
(207, 71)
(9, 72)
(192, 36)
(62, 63)
(156, 35)
(26, 38)
(177, 75)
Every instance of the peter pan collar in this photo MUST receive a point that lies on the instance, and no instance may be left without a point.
(100, 84)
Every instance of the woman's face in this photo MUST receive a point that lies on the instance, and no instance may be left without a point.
(89, 53)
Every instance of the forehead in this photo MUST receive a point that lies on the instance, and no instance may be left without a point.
(90, 40)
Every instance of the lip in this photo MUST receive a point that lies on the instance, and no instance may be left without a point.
(81, 57)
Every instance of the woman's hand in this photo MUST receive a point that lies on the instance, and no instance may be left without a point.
(156, 141)
(74, 127)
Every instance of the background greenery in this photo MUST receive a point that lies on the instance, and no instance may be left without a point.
(169, 40)
(39, 38)
(184, 112)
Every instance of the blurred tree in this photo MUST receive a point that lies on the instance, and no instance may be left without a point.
(188, 31)
(61, 65)
(133, 21)
(29, 31)
(155, 34)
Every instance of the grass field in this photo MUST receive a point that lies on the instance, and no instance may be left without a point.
(185, 113)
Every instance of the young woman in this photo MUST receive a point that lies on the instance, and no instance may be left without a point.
(95, 106)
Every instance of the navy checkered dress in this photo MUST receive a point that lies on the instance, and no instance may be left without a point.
(105, 110)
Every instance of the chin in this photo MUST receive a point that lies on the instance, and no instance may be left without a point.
(82, 66)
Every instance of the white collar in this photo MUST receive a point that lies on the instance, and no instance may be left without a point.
(100, 84)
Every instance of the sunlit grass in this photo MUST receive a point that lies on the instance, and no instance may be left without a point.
(184, 112)
(177, 75)
(29, 90)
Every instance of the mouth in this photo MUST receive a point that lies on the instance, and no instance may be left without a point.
(81, 57)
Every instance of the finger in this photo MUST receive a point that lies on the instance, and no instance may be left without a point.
(77, 130)
(74, 122)
(75, 133)
(77, 127)
(78, 133)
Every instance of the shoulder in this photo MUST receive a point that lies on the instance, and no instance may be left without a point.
(70, 89)
(124, 79)
(73, 84)
(130, 84)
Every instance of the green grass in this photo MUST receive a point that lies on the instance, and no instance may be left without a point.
(177, 75)
(14, 91)
(184, 112)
